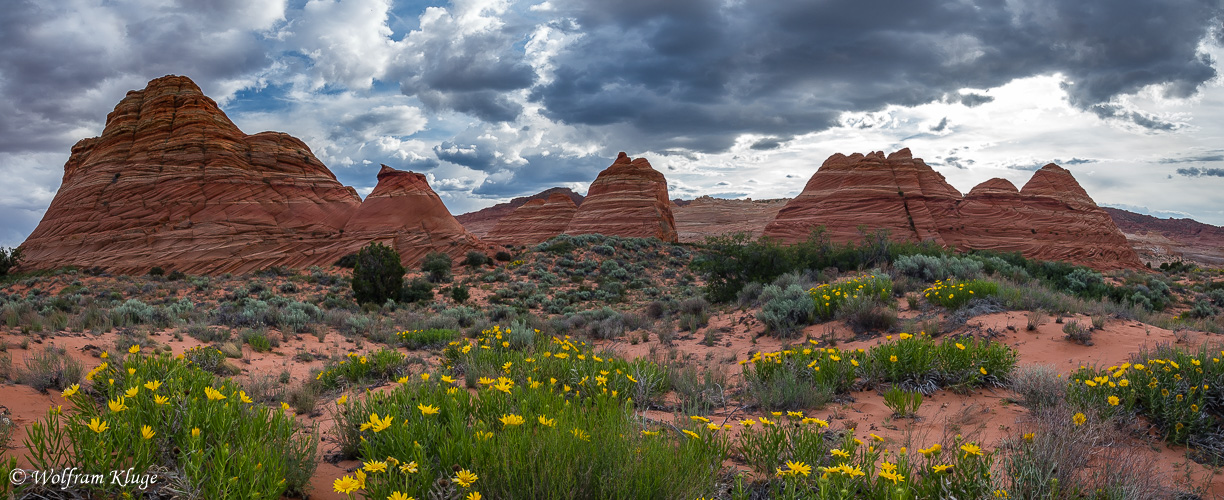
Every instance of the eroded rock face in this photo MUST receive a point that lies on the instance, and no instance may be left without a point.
(404, 213)
(1051, 218)
(898, 193)
(482, 221)
(704, 216)
(173, 183)
(629, 199)
(535, 221)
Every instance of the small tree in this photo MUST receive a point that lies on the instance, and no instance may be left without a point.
(9, 257)
(378, 274)
(438, 265)
(460, 293)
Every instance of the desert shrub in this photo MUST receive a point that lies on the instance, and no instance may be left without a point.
(9, 258)
(785, 311)
(929, 268)
(464, 315)
(749, 295)
(503, 256)
(953, 295)
(50, 368)
(296, 317)
(1039, 386)
(437, 266)
(378, 274)
(1201, 309)
(865, 313)
(209, 359)
(258, 340)
(217, 442)
(1076, 332)
(355, 368)
(476, 259)
(828, 298)
(427, 339)
(459, 293)
(348, 261)
(417, 290)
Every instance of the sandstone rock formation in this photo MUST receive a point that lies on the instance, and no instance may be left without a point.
(1158, 241)
(1051, 218)
(628, 198)
(173, 183)
(897, 193)
(535, 221)
(482, 221)
(404, 213)
(704, 216)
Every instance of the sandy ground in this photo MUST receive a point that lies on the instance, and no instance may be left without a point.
(989, 416)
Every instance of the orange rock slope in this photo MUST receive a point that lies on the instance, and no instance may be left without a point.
(172, 182)
(628, 198)
(482, 221)
(1051, 218)
(534, 221)
(404, 213)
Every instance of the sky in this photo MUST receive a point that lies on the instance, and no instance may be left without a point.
(493, 99)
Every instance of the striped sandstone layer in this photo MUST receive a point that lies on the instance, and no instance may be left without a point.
(1051, 218)
(535, 221)
(628, 199)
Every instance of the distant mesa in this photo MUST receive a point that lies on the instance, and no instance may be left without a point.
(628, 199)
(534, 221)
(173, 183)
(482, 221)
(1050, 218)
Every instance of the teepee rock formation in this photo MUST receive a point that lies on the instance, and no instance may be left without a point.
(898, 193)
(534, 221)
(173, 183)
(405, 213)
(628, 198)
(1051, 218)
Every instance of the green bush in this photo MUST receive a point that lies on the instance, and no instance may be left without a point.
(9, 258)
(417, 290)
(785, 311)
(378, 274)
(476, 259)
(929, 268)
(459, 293)
(829, 297)
(953, 295)
(437, 265)
(426, 339)
(154, 412)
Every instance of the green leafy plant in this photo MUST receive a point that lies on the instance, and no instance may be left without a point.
(903, 403)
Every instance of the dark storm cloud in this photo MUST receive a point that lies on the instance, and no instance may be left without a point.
(1110, 110)
(449, 66)
(1034, 166)
(943, 124)
(50, 74)
(696, 73)
(968, 100)
(474, 156)
(768, 143)
(540, 173)
(1193, 159)
(1200, 172)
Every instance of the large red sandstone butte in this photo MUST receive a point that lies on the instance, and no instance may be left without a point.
(173, 183)
(629, 199)
(534, 221)
(406, 214)
(1051, 218)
